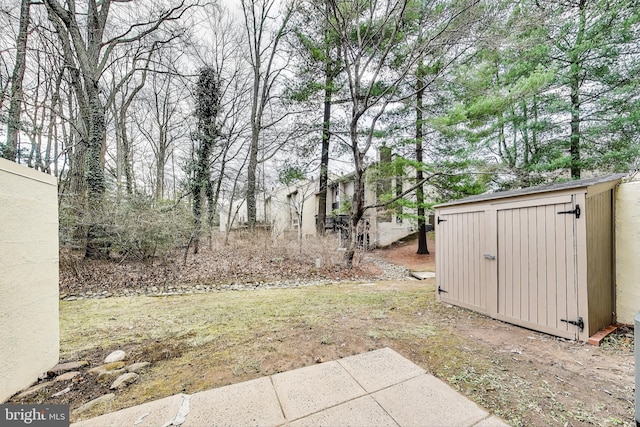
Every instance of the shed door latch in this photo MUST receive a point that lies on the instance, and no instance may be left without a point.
(440, 290)
(575, 212)
(579, 323)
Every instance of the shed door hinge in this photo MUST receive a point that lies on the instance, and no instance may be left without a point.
(576, 211)
(440, 290)
(579, 323)
(441, 220)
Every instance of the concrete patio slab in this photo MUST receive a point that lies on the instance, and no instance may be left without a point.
(363, 411)
(380, 369)
(152, 414)
(427, 401)
(423, 275)
(379, 388)
(307, 390)
(250, 403)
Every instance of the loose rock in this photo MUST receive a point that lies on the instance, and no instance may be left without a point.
(94, 402)
(115, 356)
(105, 376)
(135, 367)
(61, 392)
(124, 380)
(113, 366)
(66, 367)
(67, 376)
(34, 389)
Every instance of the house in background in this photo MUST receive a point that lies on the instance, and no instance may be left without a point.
(294, 209)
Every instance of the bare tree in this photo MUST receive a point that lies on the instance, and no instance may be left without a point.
(163, 122)
(267, 67)
(10, 150)
(89, 39)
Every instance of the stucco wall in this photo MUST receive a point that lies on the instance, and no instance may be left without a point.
(29, 328)
(627, 251)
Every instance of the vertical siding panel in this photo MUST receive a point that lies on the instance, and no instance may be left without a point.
(483, 282)
(541, 280)
(475, 277)
(502, 262)
(517, 263)
(491, 267)
(466, 224)
(462, 266)
(452, 264)
(460, 256)
(572, 279)
(509, 258)
(480, 244)
(452, 261)
(532, 240)
(600, 263)
(552, 266)
(459, 295)
(455, 281)
(445, 262)
(523, 301)
(472, 258)
(562, 264)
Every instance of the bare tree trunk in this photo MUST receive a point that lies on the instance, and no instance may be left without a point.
(263, 49)
(251, 177)
(10, 150)
(211, 211)
(329, 73)
(95, 178)
(207, 107)
(357, 205)
(324, 157)
(422, 229)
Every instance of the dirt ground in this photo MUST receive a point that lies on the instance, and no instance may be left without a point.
(405, 253)
(525, 377)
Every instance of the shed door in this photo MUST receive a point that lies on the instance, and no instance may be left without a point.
(461, 268)
(537, 281)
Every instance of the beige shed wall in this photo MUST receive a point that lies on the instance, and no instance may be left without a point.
(627, 251)
(600, 258)
(29, 328)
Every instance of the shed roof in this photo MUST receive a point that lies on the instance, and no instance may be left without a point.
(567, 185)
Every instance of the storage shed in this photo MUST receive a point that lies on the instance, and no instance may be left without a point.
(540, 257)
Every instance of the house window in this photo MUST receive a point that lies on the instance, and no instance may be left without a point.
(335, 197)
(293, 208)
